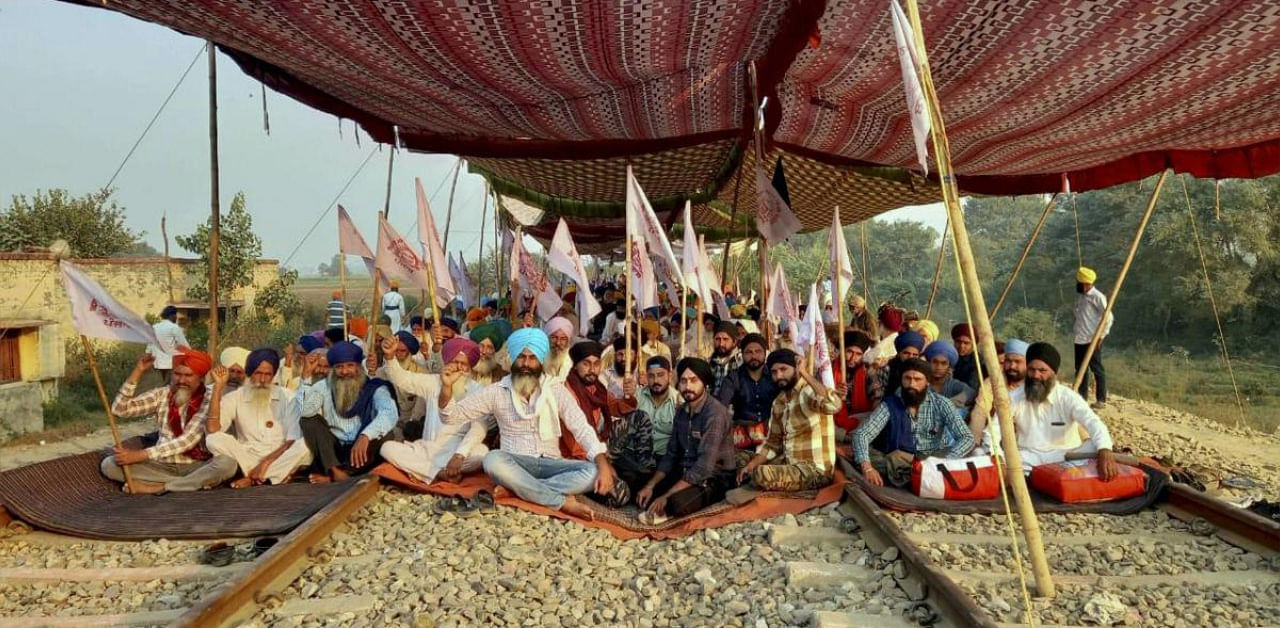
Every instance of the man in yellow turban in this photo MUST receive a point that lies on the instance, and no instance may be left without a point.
(1090, 306)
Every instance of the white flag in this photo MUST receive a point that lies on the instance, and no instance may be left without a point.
(665, 264)
(350, 242)
(691, 263)
(397, 259)
(643, 274)
(774, 218)
(432, 252)
(97, 314)
(533, 282)
(563, 256)
(841, 267)
(921, 124)
(814, 338)
(780, 306)
(458, 270)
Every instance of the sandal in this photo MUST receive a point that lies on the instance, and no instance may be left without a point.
(218, 555)
(483, 502)
(455, 505)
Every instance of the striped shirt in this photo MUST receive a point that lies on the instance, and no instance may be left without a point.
(337, 313)
(315, 399)
(801, 428)
(155, 402)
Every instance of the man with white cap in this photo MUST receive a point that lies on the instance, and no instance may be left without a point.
(529, 410)
(267, 445)
(233, 359)
(1090, 306)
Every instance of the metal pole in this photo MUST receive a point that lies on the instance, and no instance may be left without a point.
(1115, 290)
(985, 336)
(1026, 250)
(215, 218)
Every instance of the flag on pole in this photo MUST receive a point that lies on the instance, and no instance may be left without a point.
(691, 263)
(917, 107)
(97, 314)
(350, 242)
(841, 266)
(780, 305)
(533, 282)
(432, 252)
(563, 256)
(397, 259)
(458, 270)
(774, 217)
(665, 264)
(811, 336)
(642, 269)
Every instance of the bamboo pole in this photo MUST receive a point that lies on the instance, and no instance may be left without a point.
(484, 215)
(106, 406)
(985, 336)
(937, 272)
(866, 270)
(684, 316)
(626, 318)
(448, 216)
(376, 304)
(1026, 251)
(1115, 290)
(168, 270)
(215, 218)
(342, 291)
(733, 216)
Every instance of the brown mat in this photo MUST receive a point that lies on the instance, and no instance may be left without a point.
(70, 496)
(622, 522)
(906, 501)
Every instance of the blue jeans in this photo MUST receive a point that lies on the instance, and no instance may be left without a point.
(543, 481)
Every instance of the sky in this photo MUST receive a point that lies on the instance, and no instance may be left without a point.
(82, 83)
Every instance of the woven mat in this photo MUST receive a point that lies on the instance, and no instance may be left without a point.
(622, 522)
(70, 496)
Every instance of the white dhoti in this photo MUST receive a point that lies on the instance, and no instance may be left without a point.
(249, 454)
(424, 459)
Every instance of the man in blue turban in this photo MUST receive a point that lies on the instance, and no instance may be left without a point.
(908, 344)
(530, 412)
(942, 358)
(986, 433)
(267, 445)
(345, 417)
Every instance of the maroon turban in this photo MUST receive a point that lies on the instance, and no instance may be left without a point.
(454, 346)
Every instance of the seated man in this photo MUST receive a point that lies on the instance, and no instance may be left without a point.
(411, 406)
(490, 338)
(1047, 414)
(749, 391)
(233, 359)
(615, 420)
(986, 433)
(862, 390)
(658, 402)
(529, 411)
(346, 417)
(267, 444)
(965, 368)
(437, 455)
(697, 468)
(941, 356)
(908, 344)
(913, 422)
(613, 364)
(800, 452)
(178, 461)
(560, 333)
(726, 356)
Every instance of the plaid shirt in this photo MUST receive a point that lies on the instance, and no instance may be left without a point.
(801, 429)
(723, 367)
(155, 402)
(936, 424)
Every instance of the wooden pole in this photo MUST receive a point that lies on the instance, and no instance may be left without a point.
(985, 337)
(1115, 290)
(164, 233)
(342, 289)
(215, 218)
(937, 272)
(733, 216)
(684, 316)
(448, 216)
(702, 247)
(106, 406)
(1026, 250)
(376, 305)
(626, 319)
(484, 215)
(866, 270)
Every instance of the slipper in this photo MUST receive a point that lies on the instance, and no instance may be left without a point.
(483, 502)
(741, 495)
(455, 505)
(651, 519)
(218, 555)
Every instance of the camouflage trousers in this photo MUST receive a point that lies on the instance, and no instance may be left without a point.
(801, 476)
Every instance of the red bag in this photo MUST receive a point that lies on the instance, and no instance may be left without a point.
(955, 479)
(1076, 481)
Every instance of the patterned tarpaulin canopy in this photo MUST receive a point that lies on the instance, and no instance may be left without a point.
(551, 100)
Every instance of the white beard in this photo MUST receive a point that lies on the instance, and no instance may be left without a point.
(181, 396)
(525, 385)
(259, 397)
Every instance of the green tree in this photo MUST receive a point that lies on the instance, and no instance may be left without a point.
(238, 251)
(277, 299)
(332, 268)
(92, 224)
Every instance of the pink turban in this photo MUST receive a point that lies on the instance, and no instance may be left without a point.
(454, 346)
(559, 323)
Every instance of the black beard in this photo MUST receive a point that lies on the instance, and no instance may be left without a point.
(655, 390)
(912, 397)
(1014, 377)
(721, 353)
(1079, 287)
(589, 379)
(754, 364)
(618, 367)
(1037, 390)
(786, 384)
(689, 396)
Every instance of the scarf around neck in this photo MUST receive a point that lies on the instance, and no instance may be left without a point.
(177, 415)
(592, 398)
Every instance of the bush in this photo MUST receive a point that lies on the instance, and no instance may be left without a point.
(1029, 324)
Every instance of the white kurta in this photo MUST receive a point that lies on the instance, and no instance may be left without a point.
(1049, 430)
(260, 431)
(423, 459)
(393, 308)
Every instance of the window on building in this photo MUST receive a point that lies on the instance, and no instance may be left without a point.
(10, 358)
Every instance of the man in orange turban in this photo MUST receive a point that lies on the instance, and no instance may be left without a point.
(178, 461)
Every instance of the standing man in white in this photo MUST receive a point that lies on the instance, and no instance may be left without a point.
(393, 306)
(1090, 305)
(171, 337)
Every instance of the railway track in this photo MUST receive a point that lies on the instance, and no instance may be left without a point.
(170, 576)
(1192, 561)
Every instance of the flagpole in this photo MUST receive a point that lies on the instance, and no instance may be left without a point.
(484, 215)
(215, 219)
(168, 269)
(684, 316)
(866, 271)
(386, 211)
(626, 322)
(515, 283)
(448, 216)
(985, 337)
(106, 405)
(342, 289)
